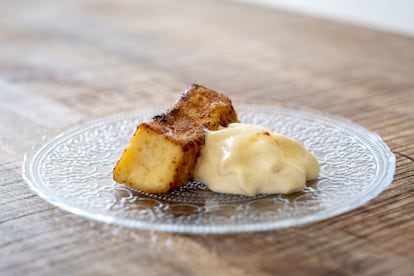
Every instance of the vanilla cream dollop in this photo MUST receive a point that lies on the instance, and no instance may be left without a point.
(250, 159)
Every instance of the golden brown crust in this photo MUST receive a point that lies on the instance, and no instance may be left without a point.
(198, 108)
(183, 124)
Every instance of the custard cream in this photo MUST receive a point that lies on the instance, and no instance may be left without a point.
(250, 159)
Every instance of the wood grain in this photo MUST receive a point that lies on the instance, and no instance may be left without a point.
(62, 63)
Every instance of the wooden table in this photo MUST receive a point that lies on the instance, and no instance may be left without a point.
(64, 63)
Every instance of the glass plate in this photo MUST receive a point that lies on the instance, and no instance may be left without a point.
(74, 172)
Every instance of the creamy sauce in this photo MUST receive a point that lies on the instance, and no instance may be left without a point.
(250, 159)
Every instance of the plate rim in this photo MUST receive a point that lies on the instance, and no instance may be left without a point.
(385, 181)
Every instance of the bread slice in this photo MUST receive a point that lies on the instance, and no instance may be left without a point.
(162, 154)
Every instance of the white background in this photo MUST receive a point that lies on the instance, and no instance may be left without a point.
(389, 15)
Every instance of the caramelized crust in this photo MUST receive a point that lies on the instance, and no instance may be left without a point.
(163, 151)
(198, 108)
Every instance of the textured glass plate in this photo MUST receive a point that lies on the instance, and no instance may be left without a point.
(74, 172)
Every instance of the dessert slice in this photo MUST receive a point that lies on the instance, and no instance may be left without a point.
(162, 154)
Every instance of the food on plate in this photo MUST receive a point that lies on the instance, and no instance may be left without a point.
(163, 151)
(250, 159)
(200, 138)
